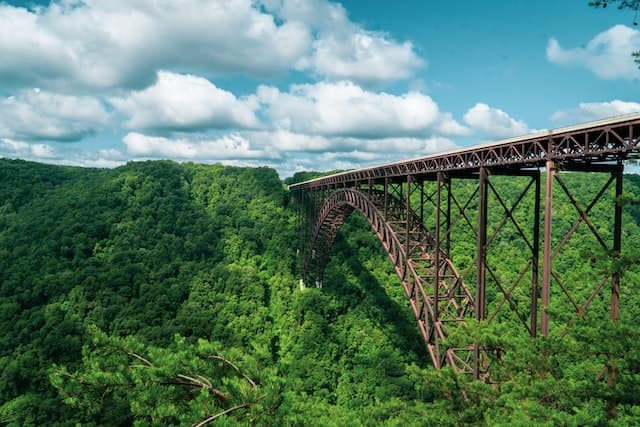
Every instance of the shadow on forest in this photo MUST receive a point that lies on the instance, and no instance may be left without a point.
(392, 317)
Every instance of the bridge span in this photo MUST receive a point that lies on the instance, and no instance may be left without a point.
(419, 214)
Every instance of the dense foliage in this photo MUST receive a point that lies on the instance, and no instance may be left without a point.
(161, 294)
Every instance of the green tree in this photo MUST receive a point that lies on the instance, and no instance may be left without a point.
(122, 381)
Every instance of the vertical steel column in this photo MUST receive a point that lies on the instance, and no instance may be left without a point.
(407, 242)
(448, 219)
(422, 201)
(401, 194)
(299, 250)
(617, 246)
(535, 264)
(436, 260)
(481, 277)
(306, 232)
(480, 304)
(615, 280)
(546, 255)
(386, 198)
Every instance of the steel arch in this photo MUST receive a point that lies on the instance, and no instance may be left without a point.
(413, 256)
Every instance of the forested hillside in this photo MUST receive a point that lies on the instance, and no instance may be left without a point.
(166, 294)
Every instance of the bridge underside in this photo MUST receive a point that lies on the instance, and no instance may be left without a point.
(423, 211)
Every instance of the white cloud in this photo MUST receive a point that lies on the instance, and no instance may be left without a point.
(28, 51)
(13, 148)
(494, 122)
(284, 141)
(289, 142)
(343, 50)
(413, 147)
(117, 43)
(363, 56)
(447, 125)
(105, 158)
(122, 44)
(43, 150)
(318, 15)
(41, 115)
(345, 109)
(353, 153)
(196, 148)
(184, 102)
(608, 54)
(587, 111)
(281, 149)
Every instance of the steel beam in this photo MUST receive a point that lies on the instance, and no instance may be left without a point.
(481, 262)
(546, 255)
(437, 248)
(617, 245)
(448, 219)
(535, 259)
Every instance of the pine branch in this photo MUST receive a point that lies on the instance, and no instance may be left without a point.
(202, 384)
(140, 358)
(227, 411)
(220, 414)
(230, 363)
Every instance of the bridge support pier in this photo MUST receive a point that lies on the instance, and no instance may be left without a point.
(603, 251)
(617, 245)
(535, 267)
(481, 264)
(546, 251)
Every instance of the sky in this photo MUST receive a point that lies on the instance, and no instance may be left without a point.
(302, 84)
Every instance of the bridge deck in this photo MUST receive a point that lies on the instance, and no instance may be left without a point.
(581, 146)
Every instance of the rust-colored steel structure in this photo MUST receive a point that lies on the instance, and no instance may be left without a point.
(420, 215)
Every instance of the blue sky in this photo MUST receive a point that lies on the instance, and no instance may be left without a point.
(301, 84)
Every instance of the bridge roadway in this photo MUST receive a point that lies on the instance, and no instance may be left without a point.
(399, 198)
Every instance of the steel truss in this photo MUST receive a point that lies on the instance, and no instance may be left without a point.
(420, 214)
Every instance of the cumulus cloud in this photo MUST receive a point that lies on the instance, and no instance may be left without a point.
(285, 141)
(290, 142)
(363, 56)
(105, 45)
(284, 150)
(184, 102)
(354, 153)
(494, 122)
(345, 109)
(587, 111)
(13, 148)
(105, 158)
(195, 148)
(41, 115)
(447, 125)
(343, 50)
(608, 54)
(121, 43)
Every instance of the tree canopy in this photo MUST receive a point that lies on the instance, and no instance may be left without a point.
(167, 294)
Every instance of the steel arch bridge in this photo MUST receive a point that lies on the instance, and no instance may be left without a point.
(419, 212)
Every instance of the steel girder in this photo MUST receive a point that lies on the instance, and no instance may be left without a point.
(589, 144)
